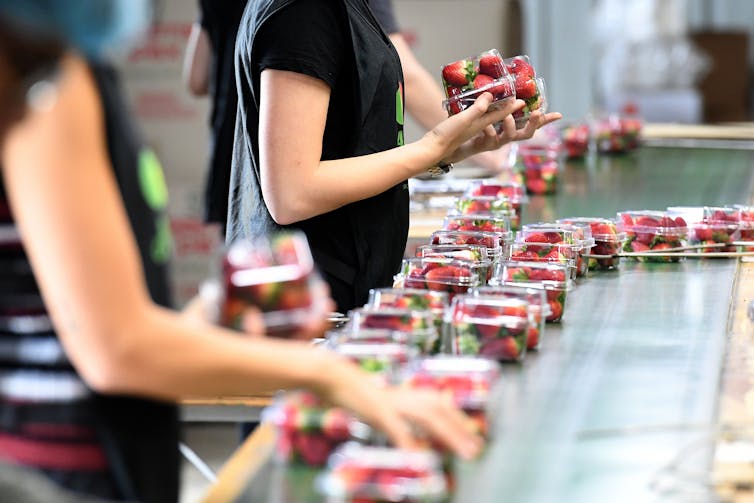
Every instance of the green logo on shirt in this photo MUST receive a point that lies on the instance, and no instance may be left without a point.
(155, 192)
(399, 112)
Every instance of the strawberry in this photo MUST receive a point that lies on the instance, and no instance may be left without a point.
(481, 81)
(528, 255)
(526, 87)
(519, 66)
(313, 448)
(645, 221)
(680, 222)
(638, 247)
(602, 229)
(537, 237)
(459, 73)
(491, 65)
(335, 424)
(504, 348)
(556, 309)
(536, 186)
(532, 338)
(553, 237)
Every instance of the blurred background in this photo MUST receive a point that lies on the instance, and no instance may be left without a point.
(676, 61)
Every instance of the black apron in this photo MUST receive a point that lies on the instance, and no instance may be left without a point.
(358, 246)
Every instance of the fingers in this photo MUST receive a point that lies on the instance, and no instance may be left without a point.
(442, 421)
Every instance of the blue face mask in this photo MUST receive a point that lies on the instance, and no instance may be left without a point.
(91, 26)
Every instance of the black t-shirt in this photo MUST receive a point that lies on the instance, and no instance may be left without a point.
(358, 246)
(385, 15)
(114, 447)
(220, 19)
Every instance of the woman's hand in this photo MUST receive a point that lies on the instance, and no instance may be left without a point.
(398, 412)
(471, 131)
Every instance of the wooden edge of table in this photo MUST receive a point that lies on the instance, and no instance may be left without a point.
(245, 462)
(723, 131)
(736, 405)
(248, 401)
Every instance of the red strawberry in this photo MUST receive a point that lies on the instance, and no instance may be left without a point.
(532, 338)
(556, 309)
(313, 448)
(526, 87)
(335, 424)
(492, 65)
(602, 229)
(536, 237)
(482, 80)
(661, 246)
(680, 222)
(519, 66)
(647, 222)
(504, 348)
(553, 237)
(638, 247)
(554, 255)
(525, 256)
(457, 74)
(536, 186)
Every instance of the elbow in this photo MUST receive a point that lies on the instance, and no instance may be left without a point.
(286, 205)
(111, 369)
(283, 214)
(198, 88)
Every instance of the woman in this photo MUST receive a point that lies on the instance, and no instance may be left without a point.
(319, 138)
(92, 361)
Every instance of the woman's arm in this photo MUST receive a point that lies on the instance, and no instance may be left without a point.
(296, 185)
(78, 239)
(196, 61)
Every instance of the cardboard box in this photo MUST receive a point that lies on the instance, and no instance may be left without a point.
(725, 88)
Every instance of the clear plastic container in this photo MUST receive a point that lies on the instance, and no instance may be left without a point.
(408, 298)
(335, 338)
(477, 222)
(474, 253)
(546, 233)
(308, 431)
(275, 275)
(499, 207)
(745, 225)
(559, 253)
(495, 243)
(465, 80)
(542, 179)
(513, 191)
(440, 274)
(382, 474)
(533, 155)
(553, 277)
(539, 309)
(714, 227)
(528, 87)
(652, 231)
(420, 324)
(582, 234)
(616, 133)
(468, 380)
(384, 359)
(608, 242)
(492, 327)
(575, 139)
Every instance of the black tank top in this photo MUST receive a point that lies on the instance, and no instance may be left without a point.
(115, 447)
(358, 246)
